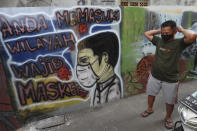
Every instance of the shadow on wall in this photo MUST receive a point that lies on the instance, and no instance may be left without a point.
(8, 116)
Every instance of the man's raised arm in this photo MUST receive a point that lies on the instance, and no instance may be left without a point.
(149, 34)
(189, 35)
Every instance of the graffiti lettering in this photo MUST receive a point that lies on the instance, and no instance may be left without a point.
(44, 67)
(51, 42)
(73, 18)
(41, 55)
(83, 14)
(22, 25)
(41, 91)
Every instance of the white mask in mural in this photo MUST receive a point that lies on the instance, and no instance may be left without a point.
(86, 76)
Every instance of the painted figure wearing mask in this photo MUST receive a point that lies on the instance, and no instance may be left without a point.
(96, 59)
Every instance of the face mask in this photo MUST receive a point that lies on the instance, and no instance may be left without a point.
(86, 76)
(167, 37)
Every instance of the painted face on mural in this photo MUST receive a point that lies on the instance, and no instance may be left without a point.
(96, 59)
(89, 69)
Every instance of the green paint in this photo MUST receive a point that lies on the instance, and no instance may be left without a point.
(133, 25)
(189, 22)
(186, 76)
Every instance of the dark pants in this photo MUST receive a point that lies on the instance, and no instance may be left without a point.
(195, 61)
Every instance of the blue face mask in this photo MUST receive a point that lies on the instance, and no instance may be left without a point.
(167, 37)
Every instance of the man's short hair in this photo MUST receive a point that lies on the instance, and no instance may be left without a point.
(102, 42)
(170, 23)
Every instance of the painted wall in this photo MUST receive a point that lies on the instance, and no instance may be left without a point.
(174, 2)
(41, 3)
(53, 58)
(138, 52)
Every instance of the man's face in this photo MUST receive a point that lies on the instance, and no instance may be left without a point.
(86, 56)
(167, 31)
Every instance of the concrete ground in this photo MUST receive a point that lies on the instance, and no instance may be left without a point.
(123, 115)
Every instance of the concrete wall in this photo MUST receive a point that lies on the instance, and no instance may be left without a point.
(138, 52)
(52, 62)
(53, 58)
(174, 2)
(36, 3)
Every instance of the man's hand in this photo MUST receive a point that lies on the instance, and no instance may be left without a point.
(189, 35)
(179, 28)
(149, 34)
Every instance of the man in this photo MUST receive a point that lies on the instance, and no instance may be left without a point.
(164, 72)
(96, 60)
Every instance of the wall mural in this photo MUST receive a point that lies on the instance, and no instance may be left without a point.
(96, 63)
(138, 52)
(50, 60)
